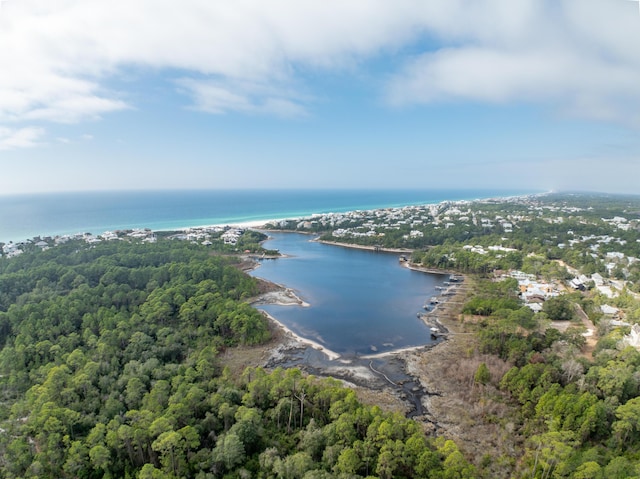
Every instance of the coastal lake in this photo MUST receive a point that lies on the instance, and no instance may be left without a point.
(361, 302)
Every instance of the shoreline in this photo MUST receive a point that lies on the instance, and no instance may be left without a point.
(256, 223)
(401, 351)
(364, 247)
(331, 355)
(249, 224)
(284, 296)
(262, 223)
(423, 269)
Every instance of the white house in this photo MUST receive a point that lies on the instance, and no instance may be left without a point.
(633, 338)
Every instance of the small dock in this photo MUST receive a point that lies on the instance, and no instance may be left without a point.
(436, 333)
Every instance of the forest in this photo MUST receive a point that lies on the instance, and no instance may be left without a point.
(578, 414)
(110, 367)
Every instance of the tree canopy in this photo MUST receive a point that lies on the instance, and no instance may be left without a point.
(110, 368)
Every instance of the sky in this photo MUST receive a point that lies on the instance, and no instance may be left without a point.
(157, 94)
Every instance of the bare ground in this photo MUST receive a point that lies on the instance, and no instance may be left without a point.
(475, 416)
(241, 357)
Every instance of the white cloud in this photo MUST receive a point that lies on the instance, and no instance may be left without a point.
(19, 138)
(215, 96)
(59, 58)
(582, 57)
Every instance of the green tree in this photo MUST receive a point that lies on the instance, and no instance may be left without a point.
(349, 462)
(559, 308)
(294, 466)
(482, 375)
(626, 428)
(229, 451)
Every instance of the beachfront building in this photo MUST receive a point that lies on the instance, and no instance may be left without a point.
(11, 250)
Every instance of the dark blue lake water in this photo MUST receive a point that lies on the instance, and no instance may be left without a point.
(361, 302)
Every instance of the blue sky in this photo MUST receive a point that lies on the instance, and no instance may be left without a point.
(533, 94)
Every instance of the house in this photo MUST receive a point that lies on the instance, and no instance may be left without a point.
(231, 236)
(606, 291)
(575, 283)
(11, 250)
(609, 310)
(535, 307)
(633, 338)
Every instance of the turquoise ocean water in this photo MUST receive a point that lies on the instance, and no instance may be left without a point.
(26, 216)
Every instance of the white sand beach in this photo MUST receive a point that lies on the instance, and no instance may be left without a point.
(397, 351)
(330, 354)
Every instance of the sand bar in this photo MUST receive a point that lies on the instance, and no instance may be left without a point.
(399, 351)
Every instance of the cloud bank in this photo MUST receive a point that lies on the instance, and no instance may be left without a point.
(581, 57)
(60, 60)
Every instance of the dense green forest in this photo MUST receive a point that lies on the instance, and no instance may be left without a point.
(110, 368)
(111, 365)
(577, 415)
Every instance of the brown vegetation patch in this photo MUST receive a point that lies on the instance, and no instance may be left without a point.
(477, 417)
(384, 399)
(265, 286)
(239, 358)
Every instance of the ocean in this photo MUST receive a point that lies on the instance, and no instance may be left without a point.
(27, 216)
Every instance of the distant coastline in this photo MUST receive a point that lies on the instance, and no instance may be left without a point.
(23, 217)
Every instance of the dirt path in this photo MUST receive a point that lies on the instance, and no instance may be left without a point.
(590, 335)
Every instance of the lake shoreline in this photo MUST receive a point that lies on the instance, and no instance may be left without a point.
(403, 380)
(366, 247)
(284, 296)
(367, 372)
(287, 297)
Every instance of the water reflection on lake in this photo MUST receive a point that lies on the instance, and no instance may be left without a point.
(361, 302)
